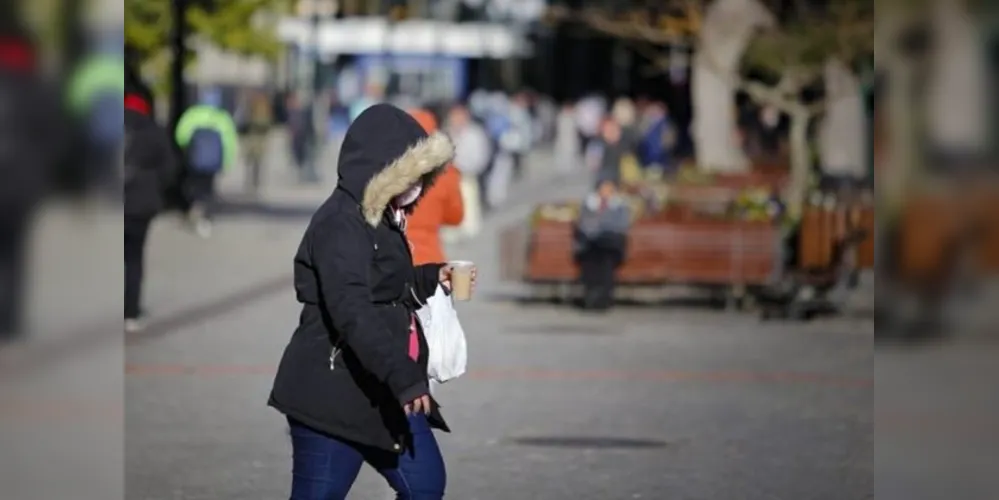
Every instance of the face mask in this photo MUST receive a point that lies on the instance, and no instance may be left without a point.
(409, 197)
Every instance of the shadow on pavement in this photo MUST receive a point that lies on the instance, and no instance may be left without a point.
(587, 442)
(202, 313)
(40, 355)
(524, 299)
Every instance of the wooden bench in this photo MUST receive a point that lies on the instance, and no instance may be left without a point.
(677, 246)
(662, 252)
(822, 227)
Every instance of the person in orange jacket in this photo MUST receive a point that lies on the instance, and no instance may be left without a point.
(441, 206)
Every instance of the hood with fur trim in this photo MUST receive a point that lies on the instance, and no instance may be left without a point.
(384, 152)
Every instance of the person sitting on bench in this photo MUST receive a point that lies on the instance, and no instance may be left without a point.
(599, 243)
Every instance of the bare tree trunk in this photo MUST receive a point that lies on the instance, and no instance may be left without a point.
(178, 45)
(72, 30)
(801, 161)
(903, 132)
(843, 134)
(958, 99)
(728, 27)
(902, 154)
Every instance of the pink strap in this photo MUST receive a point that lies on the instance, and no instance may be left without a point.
(414, 339)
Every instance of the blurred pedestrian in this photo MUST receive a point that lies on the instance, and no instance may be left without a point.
(625, 114)
(442, 205)
(207, 136)
(96, 90)
(567, 142)
(149, 170)
(600, 243)
(303, 138)
(613, 149)
(590, 113)
(32, 136)
(259, 121)
(499, 179)
(547, 112)
(473, 152)
(497, 123)
(339, 120)
(373, 94)
(353, 379)
(658, 140)
(516, 141)
(479, 103)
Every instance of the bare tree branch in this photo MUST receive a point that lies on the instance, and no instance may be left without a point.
(796, 53)
(641, 31)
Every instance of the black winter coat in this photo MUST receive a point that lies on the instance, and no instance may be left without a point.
(346, 371)
(32, 139)
(154, 165)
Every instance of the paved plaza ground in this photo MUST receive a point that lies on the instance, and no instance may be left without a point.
(656, 402)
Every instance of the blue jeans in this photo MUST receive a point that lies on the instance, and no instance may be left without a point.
(325, 467)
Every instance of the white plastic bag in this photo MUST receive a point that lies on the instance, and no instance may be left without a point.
(448, 352)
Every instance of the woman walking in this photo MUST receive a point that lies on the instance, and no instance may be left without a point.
(353, 379)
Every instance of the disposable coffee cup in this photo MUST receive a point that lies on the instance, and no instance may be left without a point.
(461, 279)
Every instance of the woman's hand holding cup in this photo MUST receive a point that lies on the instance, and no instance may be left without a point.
(459, 277)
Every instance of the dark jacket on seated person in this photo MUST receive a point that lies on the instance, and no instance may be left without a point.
(602, 226)
(601, 235)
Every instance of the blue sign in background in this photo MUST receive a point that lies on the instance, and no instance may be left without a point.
(456, 67)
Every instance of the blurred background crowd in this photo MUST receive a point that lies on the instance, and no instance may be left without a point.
(774, 101)
(776, 157)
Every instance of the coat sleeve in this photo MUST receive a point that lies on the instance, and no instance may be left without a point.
(427, 279)
(342, 256)
(454, 206)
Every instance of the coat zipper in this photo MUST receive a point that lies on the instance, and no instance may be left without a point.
(333, 354)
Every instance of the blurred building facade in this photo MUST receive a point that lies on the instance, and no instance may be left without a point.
(493, 44)
(424, 50)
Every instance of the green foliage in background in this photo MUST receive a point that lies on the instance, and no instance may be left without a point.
(804, 43)
(147, 26)
(236, 26)
(232, 25)
(42, 17)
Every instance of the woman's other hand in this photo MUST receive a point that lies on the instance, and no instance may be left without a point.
(418, 405)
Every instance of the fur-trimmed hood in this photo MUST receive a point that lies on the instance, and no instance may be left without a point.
(384, 152)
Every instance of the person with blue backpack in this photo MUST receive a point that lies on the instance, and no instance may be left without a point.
(208, 138)
(95, 97)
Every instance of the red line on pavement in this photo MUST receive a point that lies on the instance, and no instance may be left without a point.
(748, 377)
(40, 410)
